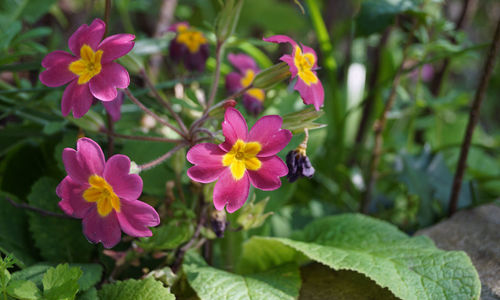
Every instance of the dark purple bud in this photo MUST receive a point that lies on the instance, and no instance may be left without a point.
(299, 165)
(219, 222)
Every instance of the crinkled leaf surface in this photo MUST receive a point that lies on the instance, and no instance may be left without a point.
(147, 289)
(280, 282)
(411, 268)
(22, 289)
(61, 283)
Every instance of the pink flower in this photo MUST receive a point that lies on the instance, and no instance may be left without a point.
(303, 64)
(235, 81)
(91, 71)
(244, 158)
(189, 46)
(104, 195)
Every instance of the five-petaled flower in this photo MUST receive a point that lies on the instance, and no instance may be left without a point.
(303, 64)
(104, 195)
(235, 81)
(91, 71)
(244, 158)
(189, 46)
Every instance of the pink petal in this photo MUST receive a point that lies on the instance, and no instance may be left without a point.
(102, 229)
(233, 82)
(267, 178)
(306, 49)
(136, 216)
(113, 107)
(208, 160)
(87, 160)
(267, 131)
(90, 35)
(117, 174)
(72, 202)
(231, 192)
(280, 39)
(289, 60)
(205, 174)
(313, 94)
(57, 73)
(103, 85)
(76, 97)
(116, 46)
(242, 62)
(234, 127)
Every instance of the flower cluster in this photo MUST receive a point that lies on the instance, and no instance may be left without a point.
(189, 46)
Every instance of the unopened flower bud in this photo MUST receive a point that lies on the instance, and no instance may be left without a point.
(219, 222)
(219, 109)
(298, 164)
(271, 76)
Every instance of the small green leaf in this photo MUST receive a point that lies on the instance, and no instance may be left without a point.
(168, 236)
(147, 289)
(281, 282)
(61, 283)
(411, 268)
(22, 289)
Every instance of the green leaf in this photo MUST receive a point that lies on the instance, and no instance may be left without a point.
(168, 236)
(22, 289)
(147, 289)
(411, 268)
(58, 239)
(61, 283)
(281, 282)
(91, 294)
(376, 15)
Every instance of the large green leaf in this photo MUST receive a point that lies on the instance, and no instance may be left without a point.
(280, 282)
(147, 289)
(61, 283)
(58, 239)
(411, 268)
(376, 15)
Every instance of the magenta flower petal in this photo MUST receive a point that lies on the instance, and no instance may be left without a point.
(57, 72)
(289, 60)
(230, 192)
(87, 160)
(233, 82)
(313, 94)
(267, 178)
(116, 46)
(72, 202)
(102, 229)
(113, 107)
(242, 62)
(267, 131)
(76, 97)
(253, 105)
(280, 39)
(234, 127)
(136, 216)
(90, 35)
(208, 160)
(103, 86)
(117, 174)
(205, 174)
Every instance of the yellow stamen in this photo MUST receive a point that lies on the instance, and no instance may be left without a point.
(304, 64)
(193, 39)
(247, 80)
(101, 192)
(89, 64)
(242, 157)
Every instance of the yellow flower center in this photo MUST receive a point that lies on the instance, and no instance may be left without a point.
(247, 80)
(304, 64)
(88, 66)
(242, 157)
(102, 193)
(193, 39)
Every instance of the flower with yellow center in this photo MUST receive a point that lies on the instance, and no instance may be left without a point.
(193, 39)
(89, 64)
(241, 157)
(304, 64)
(247, 80)
(102, 193)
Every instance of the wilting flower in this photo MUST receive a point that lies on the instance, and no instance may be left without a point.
(244, 158)
(189, 46)
(303, 64)
(236, 81)
(91, 71)
(298, 165)
(104, 195)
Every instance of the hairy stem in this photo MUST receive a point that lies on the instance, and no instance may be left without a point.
(143, 138)
(40, 211)
(215, 82)
(152, 114)
(162, 158)
(473, 119)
